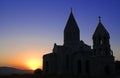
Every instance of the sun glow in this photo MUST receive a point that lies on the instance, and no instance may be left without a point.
(33, 64)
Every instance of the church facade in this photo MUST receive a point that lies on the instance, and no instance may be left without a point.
(77, 58)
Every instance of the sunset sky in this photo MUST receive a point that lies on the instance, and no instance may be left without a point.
(29, 28)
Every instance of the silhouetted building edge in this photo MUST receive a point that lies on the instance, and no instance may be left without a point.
(76, 57)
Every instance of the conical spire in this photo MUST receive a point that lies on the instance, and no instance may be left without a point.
(71, 31)
(100, 30)
(71, 23)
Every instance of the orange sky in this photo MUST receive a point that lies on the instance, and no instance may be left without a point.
(26, 59)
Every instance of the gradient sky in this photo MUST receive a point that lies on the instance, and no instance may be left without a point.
(29, 28)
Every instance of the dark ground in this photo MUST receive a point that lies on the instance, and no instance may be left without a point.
(51, 76)
(38, 74)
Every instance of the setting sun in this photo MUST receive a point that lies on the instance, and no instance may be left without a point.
(33, 64)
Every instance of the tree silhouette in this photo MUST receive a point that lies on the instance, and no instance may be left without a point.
(38, 72)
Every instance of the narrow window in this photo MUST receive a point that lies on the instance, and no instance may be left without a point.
(67, 61)
(107, 70)
(79, 67)
(87, 67)
(101, 42)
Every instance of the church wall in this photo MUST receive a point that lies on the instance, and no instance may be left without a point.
(84, 68)
(62, 64)
(49, 64)
(99, 64)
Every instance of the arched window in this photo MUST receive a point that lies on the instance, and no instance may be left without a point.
(87, 67)
(67, 62)
(79, 67)
(107, 70)
(101, 42)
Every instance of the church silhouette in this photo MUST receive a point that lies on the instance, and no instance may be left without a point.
(77, 58)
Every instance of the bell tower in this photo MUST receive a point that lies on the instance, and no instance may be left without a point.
(71, 32)
(101, 44)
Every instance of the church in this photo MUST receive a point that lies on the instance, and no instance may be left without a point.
(77, 58)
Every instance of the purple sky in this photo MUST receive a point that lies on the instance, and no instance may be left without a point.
(30, 27)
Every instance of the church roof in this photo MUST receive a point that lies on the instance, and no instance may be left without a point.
(101, 30)
(71, 23)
